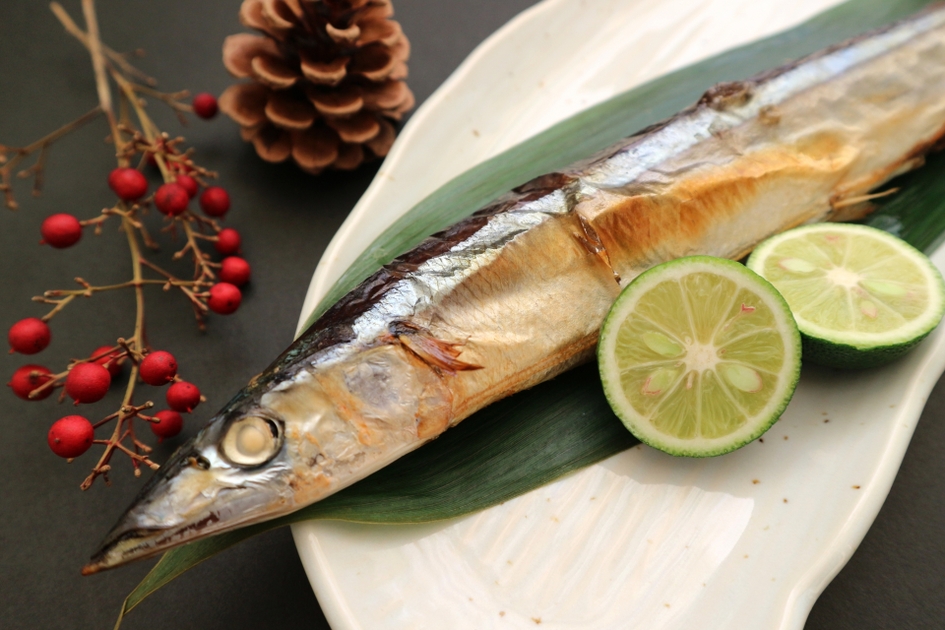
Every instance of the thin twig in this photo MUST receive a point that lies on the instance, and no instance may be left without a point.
(101, 79)
(21, 153)
(116, 58)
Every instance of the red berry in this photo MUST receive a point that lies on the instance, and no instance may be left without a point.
(171, 199)
(29, 336)
(189, 184)
(183, 396)
(214, 201)
(169, 423)
(205, 105)
(128, 183)
(107, 359)
(61, 230)
(70, 436)
(228, 241)
(158, 368)
(88, 382)
(224, 298)
(28, 378)
(235, 270)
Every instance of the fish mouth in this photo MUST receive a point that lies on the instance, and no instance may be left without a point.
(128, 542)
(128, 546)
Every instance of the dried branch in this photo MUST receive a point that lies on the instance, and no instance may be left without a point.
(136, 138)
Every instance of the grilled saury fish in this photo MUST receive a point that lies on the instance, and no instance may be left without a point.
(516, 293)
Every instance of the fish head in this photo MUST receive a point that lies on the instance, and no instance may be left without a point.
(257, 459)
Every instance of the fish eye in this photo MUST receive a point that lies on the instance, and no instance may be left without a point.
(251, 441)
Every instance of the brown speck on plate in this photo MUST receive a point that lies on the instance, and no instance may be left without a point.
(475, 132)
(856, 487)
(667, 605)
(785, 500)
(755, 481)
(785, 437)
(502, 613)
(826, 420)
(537, 620)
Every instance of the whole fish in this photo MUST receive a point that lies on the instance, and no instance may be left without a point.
(516, 293)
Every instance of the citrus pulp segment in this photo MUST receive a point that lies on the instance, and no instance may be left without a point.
(699, 356)
(861, 297)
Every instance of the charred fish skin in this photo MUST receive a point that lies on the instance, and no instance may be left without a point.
(516, 293)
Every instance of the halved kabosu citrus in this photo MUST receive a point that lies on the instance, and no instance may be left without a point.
(699, 356)
(861, 297)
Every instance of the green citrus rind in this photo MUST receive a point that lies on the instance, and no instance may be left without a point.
(639, 402)
(848, 343)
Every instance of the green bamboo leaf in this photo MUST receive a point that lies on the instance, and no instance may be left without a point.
(537, 436)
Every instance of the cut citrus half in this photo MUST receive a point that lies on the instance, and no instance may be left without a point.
(861, 297)
(699, 356)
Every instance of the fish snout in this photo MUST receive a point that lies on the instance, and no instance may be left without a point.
(198, 493)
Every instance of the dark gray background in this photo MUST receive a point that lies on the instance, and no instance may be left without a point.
(48, 527)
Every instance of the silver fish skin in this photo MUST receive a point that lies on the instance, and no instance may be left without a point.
(516, 293)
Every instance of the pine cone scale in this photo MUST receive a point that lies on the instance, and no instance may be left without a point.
(374, 62)
(278, 14)
(245, 103)
(381, 143)
(343, 35)
(288, 112)
(251, 16)
(324, 73)
(272, 144)
(341, 102)
(349, 157)
(315, 148)
(355, 129)
(382, 31)
(239, 51)
(387, 96)
(273, 71)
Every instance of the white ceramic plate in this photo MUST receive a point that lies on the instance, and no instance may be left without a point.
(642, 540)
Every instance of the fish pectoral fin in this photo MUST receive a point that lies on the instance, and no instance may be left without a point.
(592, 242)
(436, 352)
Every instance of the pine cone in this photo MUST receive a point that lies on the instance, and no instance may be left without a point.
(327, 80)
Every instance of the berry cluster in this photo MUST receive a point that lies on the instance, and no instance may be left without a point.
(87, 381)
(215, 285)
